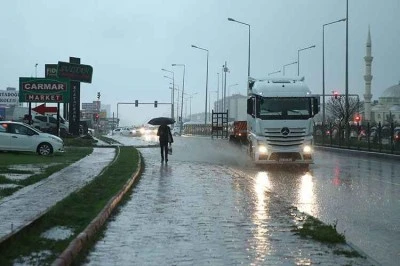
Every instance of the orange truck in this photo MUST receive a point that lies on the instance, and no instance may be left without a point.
(238, 132)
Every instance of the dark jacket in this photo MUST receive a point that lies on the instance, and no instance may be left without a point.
(164, 133)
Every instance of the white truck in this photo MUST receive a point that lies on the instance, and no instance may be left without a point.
(279, 121)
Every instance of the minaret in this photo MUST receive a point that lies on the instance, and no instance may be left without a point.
(368, 78)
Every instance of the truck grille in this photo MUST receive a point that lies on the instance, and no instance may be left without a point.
(285, 137)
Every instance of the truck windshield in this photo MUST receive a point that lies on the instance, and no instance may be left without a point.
(285, 108)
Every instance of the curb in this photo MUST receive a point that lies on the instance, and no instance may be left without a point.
(74, 248)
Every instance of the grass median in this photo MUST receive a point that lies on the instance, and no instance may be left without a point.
(29, 163)
(74, 212)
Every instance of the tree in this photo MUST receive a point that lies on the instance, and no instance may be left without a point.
(336, 108)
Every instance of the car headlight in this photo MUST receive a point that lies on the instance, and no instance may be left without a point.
(56, 138)
(262, 149)
(142, 131)
(307, 149)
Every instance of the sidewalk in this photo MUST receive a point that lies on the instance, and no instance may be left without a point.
(29, 203)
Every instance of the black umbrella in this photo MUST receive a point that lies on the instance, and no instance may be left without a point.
(161, 121)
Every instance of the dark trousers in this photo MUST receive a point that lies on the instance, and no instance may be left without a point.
(164, 150)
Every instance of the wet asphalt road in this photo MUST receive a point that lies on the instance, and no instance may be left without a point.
(362, 195)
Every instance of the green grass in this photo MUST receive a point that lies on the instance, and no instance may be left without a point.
(76, 212)
(317, 230)
(60, 161)
(107, 139)
(85, 141)
(347, 253)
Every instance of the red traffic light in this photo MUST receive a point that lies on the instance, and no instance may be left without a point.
(336, 94)
(357, 118)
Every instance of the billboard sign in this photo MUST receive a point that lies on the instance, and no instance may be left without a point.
(9, 97)
(46, 90)
(50, 70)
(75, 72)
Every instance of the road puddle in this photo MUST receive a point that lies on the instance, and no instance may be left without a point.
(58, 233)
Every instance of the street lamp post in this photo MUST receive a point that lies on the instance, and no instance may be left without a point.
(177, 101)
(275, 72)
(190, 104)
(205, 106)
(248, 64)
(218, 93)
(347, 73)
(183, 91)
(284, 66)
(323, 66)
(172, 97)
(298, 57)
(173, 90)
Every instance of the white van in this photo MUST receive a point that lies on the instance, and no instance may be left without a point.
(48, 123)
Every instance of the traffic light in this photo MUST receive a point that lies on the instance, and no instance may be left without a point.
(336, 94)
(136, 103)
(155, 104)
(98, 95)
(357, 118)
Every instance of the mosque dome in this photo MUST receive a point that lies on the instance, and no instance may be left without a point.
(392, 92)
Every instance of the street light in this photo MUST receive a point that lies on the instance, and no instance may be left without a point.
(323, 66)
(173, 94)
(183, 91)
(275, 72)
(232, 85)
(347, 73)
(248, 64)
(177, 101)
(190, 104)
(298, 57)
(36, 65)
(205, 107)
(283, 67)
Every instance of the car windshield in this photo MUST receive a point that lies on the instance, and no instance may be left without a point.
(285, 108)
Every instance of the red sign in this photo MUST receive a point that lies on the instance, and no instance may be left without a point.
(42, 109)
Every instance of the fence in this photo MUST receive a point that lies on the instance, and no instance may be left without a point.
(376, 138)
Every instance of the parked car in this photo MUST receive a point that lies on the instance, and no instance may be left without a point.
(47, 123)
(18, 136)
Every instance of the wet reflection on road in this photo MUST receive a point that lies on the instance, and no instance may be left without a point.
(210, 205)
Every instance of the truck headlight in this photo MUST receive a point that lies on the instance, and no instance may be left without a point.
(262, 149)
(307, 149)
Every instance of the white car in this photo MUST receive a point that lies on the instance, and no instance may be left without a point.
(176, 131)
(126, 131)
(17, 136)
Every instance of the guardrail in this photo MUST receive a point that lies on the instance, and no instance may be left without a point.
(375, 138)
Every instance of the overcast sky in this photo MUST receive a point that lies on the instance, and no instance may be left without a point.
(128, 42)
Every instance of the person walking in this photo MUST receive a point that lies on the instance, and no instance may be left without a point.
(165, 138)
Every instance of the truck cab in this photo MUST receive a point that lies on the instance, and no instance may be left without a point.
(279, 120)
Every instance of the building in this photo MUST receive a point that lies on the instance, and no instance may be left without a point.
(387, 108)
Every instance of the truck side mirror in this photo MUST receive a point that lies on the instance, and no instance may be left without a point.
(250, 106)
(315, 106)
